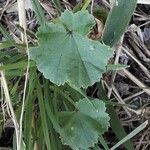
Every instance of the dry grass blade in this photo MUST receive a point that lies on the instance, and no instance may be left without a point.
(118, 50)
(118, 97)
(136, 81)
(134, 95)
(9, 106)
(144, 69)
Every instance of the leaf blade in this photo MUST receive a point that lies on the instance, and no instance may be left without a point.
(117, 20)
(81, 129)
(73, 58)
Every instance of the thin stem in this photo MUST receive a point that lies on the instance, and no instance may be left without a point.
(10, 107)
(22, 19)
(54, 88)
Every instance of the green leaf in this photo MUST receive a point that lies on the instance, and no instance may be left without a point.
(66, 54)
(117, 21)
(81, 129)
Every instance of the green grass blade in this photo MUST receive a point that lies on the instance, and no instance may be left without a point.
(117, 127)
(55, 141)
(57, 4)
(115, 121)
(5, 33)
(10, 41)
(102, 141)
(86, 4)
(14, 58)
(117, 21)
(38, 11)
(18, 65)
(28, 123)
(54, 122)
(40, 138)
(52, 117)
(28, 113)
(43, 114)
(46, 97)
(14, 87)
(132, 134)
(12, 73)
(8, 44)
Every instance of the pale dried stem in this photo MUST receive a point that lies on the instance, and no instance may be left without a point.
(35, 146)
(134, 95)
(22, 17)
(22, 21)
(92, 5)
(146, 23)
(4, 8)
(9, 106)
(144, 69)
(105, 2)
(24, 94)
(141, 139)
(118, 97)
(118, 50)
(136, 81)
(121, 101)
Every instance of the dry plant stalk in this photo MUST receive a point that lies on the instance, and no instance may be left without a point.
(22, 21)
(114, 73)
(136, 81)
(9, 106)
(144, 69)
(22, 17)
(118, 97)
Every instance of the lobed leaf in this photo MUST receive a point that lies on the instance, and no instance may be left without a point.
(81, 129)
(66, 54)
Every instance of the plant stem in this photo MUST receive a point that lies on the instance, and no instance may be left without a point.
(56, 89)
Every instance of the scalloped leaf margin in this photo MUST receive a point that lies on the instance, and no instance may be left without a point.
(66, 54)
(81, 129)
